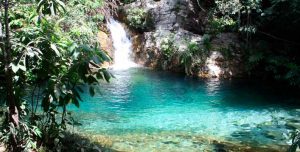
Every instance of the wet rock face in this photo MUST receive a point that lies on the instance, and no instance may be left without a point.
(105, 42)
(184, 22)
(105, 45)
(172, 14)
(176, 14)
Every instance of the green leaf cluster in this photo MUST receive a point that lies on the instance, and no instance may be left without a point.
(139, 19)
(168, 46)
(195, 55)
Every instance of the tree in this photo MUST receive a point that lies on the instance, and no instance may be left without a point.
(13, 116)
(39, 53)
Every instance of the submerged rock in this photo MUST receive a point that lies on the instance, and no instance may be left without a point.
(275, 135)
(291, 125)
(170, 141)
(219, 147)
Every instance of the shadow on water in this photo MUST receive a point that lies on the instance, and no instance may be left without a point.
(249, 94)
(240, 93)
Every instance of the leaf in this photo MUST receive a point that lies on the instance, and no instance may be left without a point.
(107, 75)
(92, 91)
(30, 53)
(54, 48)
(77, 95)
(92, 79)
(76, 102)
(14, 68)
(93, 65)
(52, 9)
(80, 89)
(40, 4)
(22, 67)
(72, 47)
(37, 131)
(61, 3)
(104, 56)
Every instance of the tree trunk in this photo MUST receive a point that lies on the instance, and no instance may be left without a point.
(13, 115)
(13, 111)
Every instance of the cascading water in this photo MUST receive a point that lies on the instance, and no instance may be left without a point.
(122, 46)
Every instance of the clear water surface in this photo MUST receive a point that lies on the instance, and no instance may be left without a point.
(141, 101)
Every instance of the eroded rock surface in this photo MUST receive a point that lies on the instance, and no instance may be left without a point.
(105, 42)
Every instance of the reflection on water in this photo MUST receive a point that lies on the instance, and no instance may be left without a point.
(141, 101)
(212, 86)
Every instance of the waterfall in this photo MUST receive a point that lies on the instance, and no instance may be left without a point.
(122, 46)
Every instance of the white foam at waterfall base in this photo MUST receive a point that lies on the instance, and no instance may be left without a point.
(122, 46)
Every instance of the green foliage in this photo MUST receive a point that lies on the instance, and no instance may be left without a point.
(234, 15)
(50, 6)
(270, 30)
(187, 57)
(206, 41)
(82, 20)
(193, 55)
(26, 134)
(280, 67)
(279, 27)
(54, 63)
(139, 19)
(218, 25)
(168, 47)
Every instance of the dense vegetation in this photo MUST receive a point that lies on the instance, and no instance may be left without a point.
(269, 29)
(49, 53)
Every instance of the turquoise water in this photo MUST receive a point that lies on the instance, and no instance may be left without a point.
(141, 101)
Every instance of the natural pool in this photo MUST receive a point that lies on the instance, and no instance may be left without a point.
(145, 110)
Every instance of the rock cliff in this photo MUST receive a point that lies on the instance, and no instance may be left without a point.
(178, 27)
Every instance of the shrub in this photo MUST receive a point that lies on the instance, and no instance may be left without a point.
(194, 54)
(139, 19)
(168, 47)
(218, 25)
